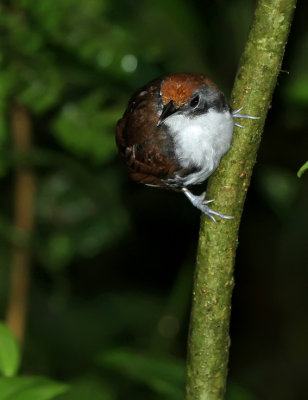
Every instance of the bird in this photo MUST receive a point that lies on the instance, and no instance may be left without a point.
(174, 132)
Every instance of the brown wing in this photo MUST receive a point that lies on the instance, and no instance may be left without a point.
(141, 142)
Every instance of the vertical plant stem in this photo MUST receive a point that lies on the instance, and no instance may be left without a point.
(24, 190)
(254, 85)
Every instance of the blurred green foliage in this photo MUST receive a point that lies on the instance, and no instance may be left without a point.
(164, 376)
(9, 353)
(302, 169)
(30, 388)
(113, 261)
(21, 388)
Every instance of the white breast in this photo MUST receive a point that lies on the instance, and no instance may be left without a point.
(200, 142)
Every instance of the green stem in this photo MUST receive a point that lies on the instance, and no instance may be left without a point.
(254, 85)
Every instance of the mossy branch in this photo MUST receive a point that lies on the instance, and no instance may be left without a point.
(254, 85)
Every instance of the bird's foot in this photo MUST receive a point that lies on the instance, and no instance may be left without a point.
(236, 114)
(200, 203)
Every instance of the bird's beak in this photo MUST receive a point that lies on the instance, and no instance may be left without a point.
(168, 110)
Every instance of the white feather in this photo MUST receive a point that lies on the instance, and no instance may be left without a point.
(200, 141)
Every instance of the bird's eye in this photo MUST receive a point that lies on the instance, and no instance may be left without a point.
(194, 102)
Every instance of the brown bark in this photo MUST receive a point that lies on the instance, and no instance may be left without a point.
(24, 191)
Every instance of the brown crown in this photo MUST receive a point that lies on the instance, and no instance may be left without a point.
(179, 87)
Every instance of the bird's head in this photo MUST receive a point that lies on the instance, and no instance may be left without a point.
(189, 95)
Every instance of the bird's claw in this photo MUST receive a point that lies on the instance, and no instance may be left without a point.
(236, 114)
(202, 198)
(200, 203)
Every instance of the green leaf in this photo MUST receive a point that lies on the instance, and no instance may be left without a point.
(302, 169)
(165, 376)
(236, 392)
(86, 388)
(9, 352)
(30, 388)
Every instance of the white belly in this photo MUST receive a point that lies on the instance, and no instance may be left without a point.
(200, 142)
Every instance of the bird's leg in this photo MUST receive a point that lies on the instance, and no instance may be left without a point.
(201, 204)
(236, 114)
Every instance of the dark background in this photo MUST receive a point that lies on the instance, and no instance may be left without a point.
(112, 261)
